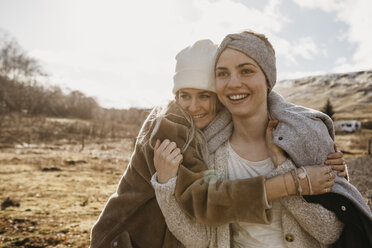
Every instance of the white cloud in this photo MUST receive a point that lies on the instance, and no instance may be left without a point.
(357, 15)
(283, 48)
(341, 60)
(326, 5)
(291, 51)
(305, 47)
(124, 53)
(221, 17)
(299, 74)
(342, 65)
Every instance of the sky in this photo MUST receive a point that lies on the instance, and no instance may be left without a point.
(122, 52)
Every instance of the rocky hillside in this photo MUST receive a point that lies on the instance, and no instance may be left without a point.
(349, 93)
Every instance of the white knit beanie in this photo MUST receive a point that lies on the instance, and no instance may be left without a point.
(195, 67)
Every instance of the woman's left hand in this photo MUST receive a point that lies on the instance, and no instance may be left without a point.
(275, 152)
(337, 162)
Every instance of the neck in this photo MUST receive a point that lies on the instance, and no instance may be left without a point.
(250, 129)
(248, 138)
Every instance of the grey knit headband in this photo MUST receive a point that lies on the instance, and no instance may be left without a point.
(255, 48)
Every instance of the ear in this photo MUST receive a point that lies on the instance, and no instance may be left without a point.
(267, 86)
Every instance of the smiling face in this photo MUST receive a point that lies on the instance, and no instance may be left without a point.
(200, 104)
(240, 83)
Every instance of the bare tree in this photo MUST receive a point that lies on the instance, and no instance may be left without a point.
(14, 62)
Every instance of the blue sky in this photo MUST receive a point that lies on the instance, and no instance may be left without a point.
(122, 52)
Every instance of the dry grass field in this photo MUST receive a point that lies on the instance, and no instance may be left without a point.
(57, 190)
(60, 191)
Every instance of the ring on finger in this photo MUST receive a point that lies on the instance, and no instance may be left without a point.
(330, 176)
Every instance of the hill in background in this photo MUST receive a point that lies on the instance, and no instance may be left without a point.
(349, 93)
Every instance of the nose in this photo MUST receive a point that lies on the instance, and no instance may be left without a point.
(234, 81)
(194, 105)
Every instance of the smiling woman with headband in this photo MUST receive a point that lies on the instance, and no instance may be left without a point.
(245, 76)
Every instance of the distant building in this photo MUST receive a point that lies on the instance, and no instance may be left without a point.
(347, 126)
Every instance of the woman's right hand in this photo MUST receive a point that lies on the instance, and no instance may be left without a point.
(167, 158)
(321, 179)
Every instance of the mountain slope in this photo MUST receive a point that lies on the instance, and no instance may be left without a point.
(349, 93)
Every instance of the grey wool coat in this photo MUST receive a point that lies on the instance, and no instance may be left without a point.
(307, 136)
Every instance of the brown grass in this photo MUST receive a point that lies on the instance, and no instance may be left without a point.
(57, 207)
(354, 143)
(62, 190)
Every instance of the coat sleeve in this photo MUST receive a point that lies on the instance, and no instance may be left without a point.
(212, 200)
(132, 211)
(209, 201)
(187, 231)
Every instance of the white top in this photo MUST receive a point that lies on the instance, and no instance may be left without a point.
(255, 235)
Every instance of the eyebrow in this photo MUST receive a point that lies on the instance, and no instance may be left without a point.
(239, 66)
(203, 92)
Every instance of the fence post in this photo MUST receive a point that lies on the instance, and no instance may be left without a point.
(369, 147)
(82, 143)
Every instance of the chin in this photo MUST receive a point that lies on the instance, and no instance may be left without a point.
(200, 126)
(241, 113)
(238, 110)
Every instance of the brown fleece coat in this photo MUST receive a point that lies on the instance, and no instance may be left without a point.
(132, 217)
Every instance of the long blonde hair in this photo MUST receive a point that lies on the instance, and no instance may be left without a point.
(194, 134)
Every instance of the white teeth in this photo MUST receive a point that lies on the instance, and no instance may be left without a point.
(197, 116)
(238, 97)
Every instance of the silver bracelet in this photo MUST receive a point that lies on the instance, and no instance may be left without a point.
(296, 182)
(304, 174)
